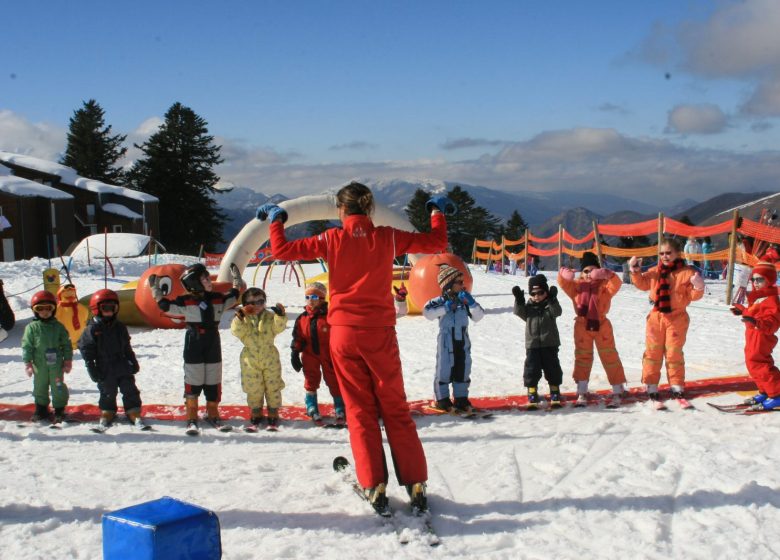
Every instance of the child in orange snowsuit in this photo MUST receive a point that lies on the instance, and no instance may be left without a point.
(762, 319)
(673, 285)
(592, 294)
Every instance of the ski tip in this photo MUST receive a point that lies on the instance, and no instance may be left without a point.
(340, 463)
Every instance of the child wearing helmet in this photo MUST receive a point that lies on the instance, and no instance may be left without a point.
(762, 320)
(311, 353)
(47, 354)
(202, 309)
(110, 360)
(255, 326)
(453, 309)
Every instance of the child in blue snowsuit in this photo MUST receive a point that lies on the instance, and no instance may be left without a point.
(453, 349)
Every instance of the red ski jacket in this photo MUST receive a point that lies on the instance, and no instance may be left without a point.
(315, 342)
(360, 258)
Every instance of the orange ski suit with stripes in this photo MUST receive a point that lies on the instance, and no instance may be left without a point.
(603, 338)
(665, 333)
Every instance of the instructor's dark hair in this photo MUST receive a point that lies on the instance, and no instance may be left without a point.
(355, 198)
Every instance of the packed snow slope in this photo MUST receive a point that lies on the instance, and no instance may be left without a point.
(573, 483)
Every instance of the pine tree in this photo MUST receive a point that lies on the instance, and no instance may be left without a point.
(316, 227)
(177, 169)
(92, 151)
(515, 226)
(468, 223)
(418, 216)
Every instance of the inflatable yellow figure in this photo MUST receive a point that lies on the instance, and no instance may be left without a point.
(71, 313)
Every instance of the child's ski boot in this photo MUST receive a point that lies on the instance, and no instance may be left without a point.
(533, 399)
(417, 497)
(377, 497)
(555, 397)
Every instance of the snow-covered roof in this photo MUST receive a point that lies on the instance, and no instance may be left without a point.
(69, 176)
(18, 186)
(117, 244)
(121, 210)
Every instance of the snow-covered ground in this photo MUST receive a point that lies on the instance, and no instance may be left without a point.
(575, 483)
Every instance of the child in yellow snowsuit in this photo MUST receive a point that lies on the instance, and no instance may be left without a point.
(592, 294)
(673, 285)
(261, 370)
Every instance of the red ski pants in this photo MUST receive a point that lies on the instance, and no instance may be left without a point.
(604, 339)
(759, 361)
(368, 367)
(665, 336)
(314, 370)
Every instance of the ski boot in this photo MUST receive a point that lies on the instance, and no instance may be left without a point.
(312, 408)
(59, 415)
(756, 399)
(533, 399)
(770, 403)
(656, 401)
(582, 400)
(418, 497)
(191, 406)
(273, 420)
(462, 406)
(339, 413)
(445, 405)
(137, 421)
(377, 497)
(41, 413)
(555, 396)
(614, 402)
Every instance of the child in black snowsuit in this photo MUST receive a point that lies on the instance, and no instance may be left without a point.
(202, 309)
(7, 318)
(541, 338)
(110, 360)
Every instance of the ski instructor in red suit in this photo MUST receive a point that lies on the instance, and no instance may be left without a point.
(363, 341)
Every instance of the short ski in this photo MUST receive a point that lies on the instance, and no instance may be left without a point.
(685, 404)
(408, 529)
(100, 428)
(744, 409)
(192, 429)
(218, 424)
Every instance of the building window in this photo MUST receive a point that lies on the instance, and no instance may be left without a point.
(90, 212)
(116, 228)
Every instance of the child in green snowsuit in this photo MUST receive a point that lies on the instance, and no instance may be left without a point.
(47, 354)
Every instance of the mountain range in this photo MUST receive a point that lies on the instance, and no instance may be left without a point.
(543, 211)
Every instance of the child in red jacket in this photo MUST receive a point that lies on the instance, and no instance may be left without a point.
(311, 353)
(762, 319)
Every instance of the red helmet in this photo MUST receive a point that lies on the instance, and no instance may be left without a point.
(102, 296)
(43, 297)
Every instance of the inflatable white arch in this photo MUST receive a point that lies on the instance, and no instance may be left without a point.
(299, 210)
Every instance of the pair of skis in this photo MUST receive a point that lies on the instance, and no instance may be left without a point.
(416, 527)
(473, 413)
(103, 428)
(742, 408)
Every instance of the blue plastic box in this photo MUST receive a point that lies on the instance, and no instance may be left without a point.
(163, 529)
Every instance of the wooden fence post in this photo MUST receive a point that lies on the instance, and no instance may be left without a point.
(732, 256)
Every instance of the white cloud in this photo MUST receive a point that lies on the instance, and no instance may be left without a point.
(696, 119)
(765, 100)
(20, 136)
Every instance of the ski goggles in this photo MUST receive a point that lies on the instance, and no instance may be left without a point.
(260, 301)
(38, 307)
(108, 306)
(314, 297)
(758, 280)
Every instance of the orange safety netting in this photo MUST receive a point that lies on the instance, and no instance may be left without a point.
(483, 256)
(484, 243)
(629, 230)
(543, 252)
(515, 256)
(632, 252)
(510, 243)
(678, 228)
(568, 238)
(760, 231)
(723, 254)
(552, 239)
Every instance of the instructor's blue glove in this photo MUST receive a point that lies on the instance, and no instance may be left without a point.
(466, 298)
(272, 212)
(443, 203)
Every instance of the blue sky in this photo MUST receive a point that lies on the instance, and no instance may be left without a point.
(657, 100)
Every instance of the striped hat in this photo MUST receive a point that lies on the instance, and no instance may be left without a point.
(767, 270)
(317, 288)
(447, 275)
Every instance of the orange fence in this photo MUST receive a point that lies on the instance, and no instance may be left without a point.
(734, 253)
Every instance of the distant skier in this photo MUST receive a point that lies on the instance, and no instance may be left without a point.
(110, 360)
(762, 319)
(542, 341)
(48, 355)
(453, 309)
(202, 309)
